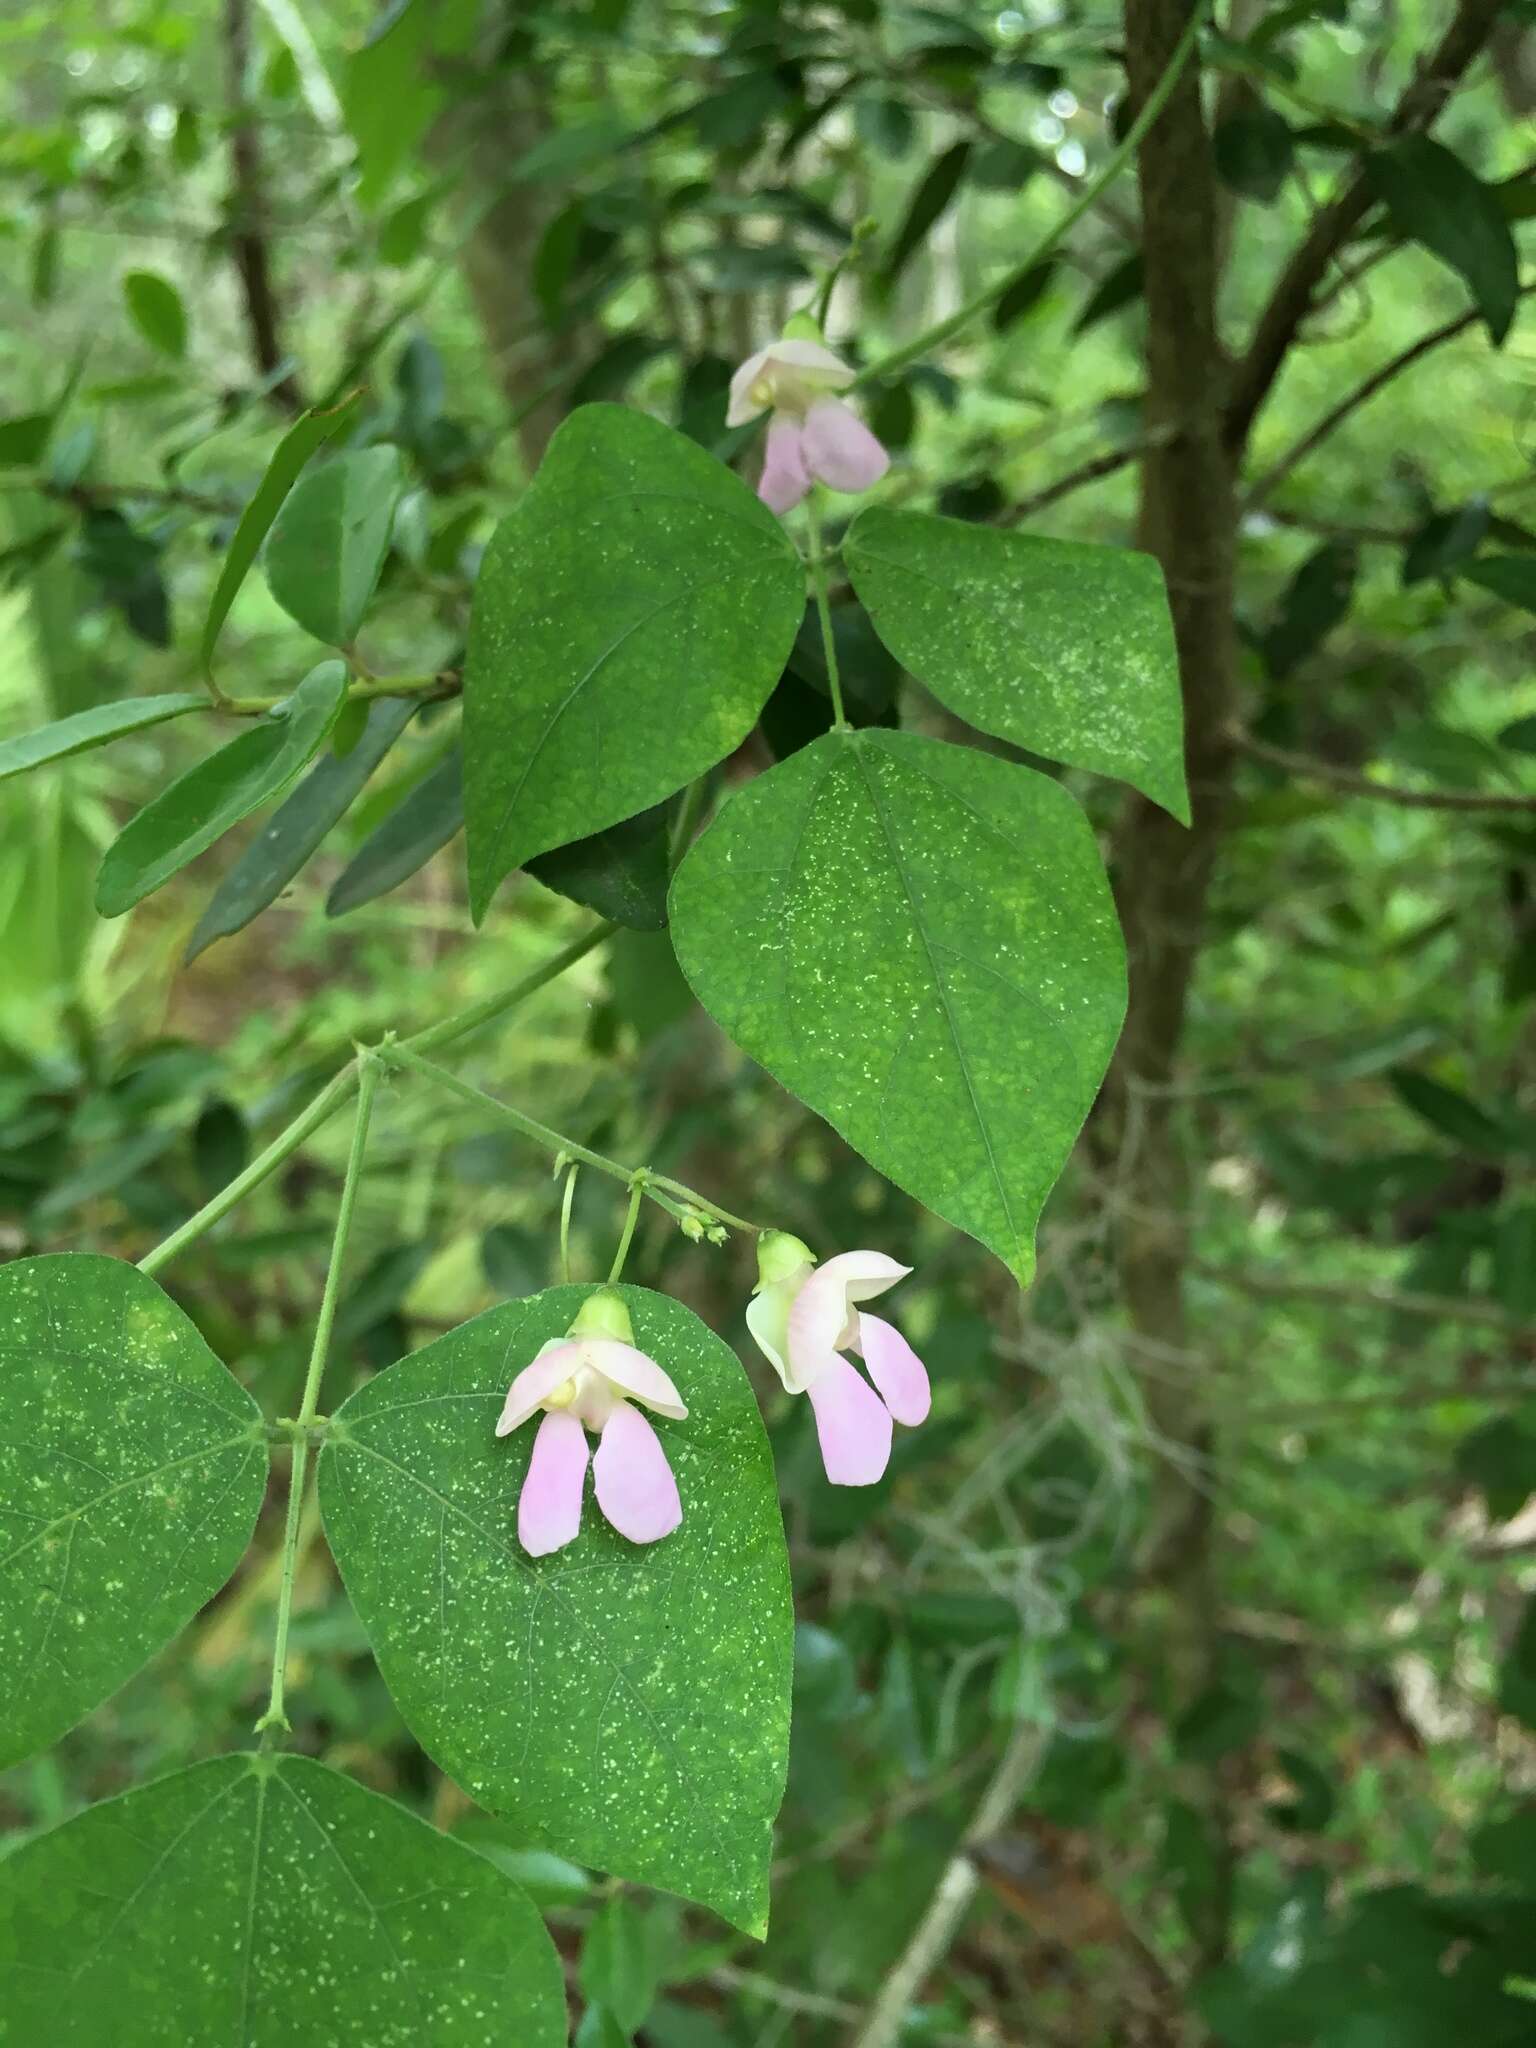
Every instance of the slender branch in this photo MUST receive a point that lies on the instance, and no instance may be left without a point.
(275, 1719)
(681, 1202)
(248, 241)
(262, 1167)
(930, 1942)
(1086, 473)
(1351, 402)
(1119, 158)
(817, 565)
(1291, 300)
(1314, 770)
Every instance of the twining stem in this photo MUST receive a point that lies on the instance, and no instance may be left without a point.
(567, 1198)
(631, 1218)
(274, 1718)
(494, 1006)
(261, 1168)
(1092, 192)
(817, 565)
(674, 1196)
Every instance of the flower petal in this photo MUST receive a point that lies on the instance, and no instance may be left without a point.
(743, 405)
(785, 478)
(634, 1483)
(853, 1425)
(840, 450)
(818, 1316)
(549, 1506)
(768, 1321)
(635, 1374)
(554, 1363)
(896, 1369)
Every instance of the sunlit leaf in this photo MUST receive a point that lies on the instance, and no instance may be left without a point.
(328, 543)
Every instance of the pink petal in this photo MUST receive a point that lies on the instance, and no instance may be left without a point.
(549, 1506)
(896, 1370)
(818, 1317)
(853, 1424)
(552, 1366)
(840, 449)
(634, 1483)
(635, 1373)
(785, 479)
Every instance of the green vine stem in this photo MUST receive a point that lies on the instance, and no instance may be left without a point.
(817, 566)
(262, 1167)
(682, 1203)
(631, 1218)
(1117, 160)
(495, 1006)
(567, 1201)
(274, 1720)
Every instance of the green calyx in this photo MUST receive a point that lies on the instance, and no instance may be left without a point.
(779, 1255)
(801, 327)
(604, 1315)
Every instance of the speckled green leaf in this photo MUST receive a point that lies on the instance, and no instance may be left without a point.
(132, 1468)
(202, 805)
(624, 1705)
(327, 547)
(919, 941)
(267, 1902)
(1061, 646)
(630, 619)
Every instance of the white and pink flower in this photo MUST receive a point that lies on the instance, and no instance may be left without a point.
(588, 1380)
(804, 1317)
(813, 437)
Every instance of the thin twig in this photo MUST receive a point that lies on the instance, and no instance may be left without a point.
(1315, 770)
(248, 242)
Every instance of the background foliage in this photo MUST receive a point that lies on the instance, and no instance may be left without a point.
(1208, 1579)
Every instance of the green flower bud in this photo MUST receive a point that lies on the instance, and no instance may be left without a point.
(779, 1255)
(604, 1315)
(801, 327)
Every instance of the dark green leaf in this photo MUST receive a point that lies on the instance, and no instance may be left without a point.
(1434, 199)
(1512, 577)
(1004, 165)
(1517, 1679)
(296, 830)
(885, 125)
(93, 728)
(327, 546)
(939, 186)
(1316, 599)
(624, 1705)
(1445, 540)
(132, 1469)
(1520, 736)
(311, 431)
(1026, 291)
(897, 929)
(1451, 1113)
(155, 308)
(1118, 288)
(622, 873)
(268, 1901)
(24, 439)
(1499, 1459)
(221, 1144)
(620, 1964)
(202, 805)
(1061, 646)
(631, 616)
(1313, 1806)
(1514, 1260)
(126, 563)
(1254, 151)
(419, 826)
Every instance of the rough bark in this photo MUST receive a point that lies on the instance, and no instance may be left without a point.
(1163, 872)
(248, 208)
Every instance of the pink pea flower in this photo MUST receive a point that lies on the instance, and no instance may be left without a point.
(804, 1317)
(583, 1381)
(812, 437)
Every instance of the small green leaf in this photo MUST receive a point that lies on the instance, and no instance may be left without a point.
(327, 546)
(939, 185)
(132, 1469)
(919, 941)
(1315, 600)
(24, 438)
(202, 805)
(296, 830)
(1451, 1113)
(1119, 287)
(631, 617)
(622, 873)
(271, 1902)
(421, 824)
(620, 1965)
(155, 307)
(624, 1705)
(1254, 151)
(1445, 541)
(1061, 646)
(1435, 200)
(309, 432)
(1514, 1260)
(93, 728)
(1512, 577)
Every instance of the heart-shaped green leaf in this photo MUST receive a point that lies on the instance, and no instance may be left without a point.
(202, 805)
(132, 1468)
(1061, 646)
(625, 1705)
(919, 941)
(631, 617)
(326, 550)
(267, 1902)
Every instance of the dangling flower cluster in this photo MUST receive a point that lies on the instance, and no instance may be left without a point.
(804, 1317)
(813, 437)
(587, 1380)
